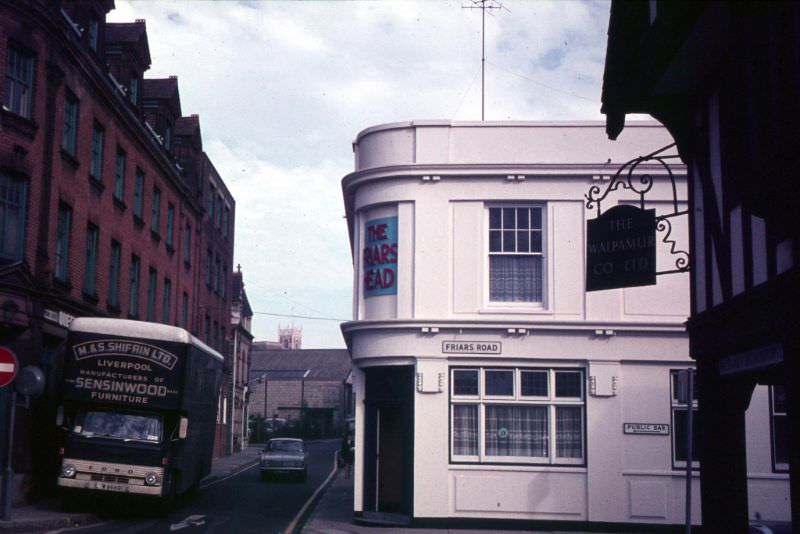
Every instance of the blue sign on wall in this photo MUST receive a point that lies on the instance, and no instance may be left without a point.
(379, 257)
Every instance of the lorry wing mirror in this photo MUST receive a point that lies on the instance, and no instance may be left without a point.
(183, 427)
(60, 416)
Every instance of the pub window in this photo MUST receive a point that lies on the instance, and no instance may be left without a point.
(780, 429)
(517, 415)
(680, 410)
(516, 262)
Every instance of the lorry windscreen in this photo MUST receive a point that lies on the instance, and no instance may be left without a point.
(118, 425)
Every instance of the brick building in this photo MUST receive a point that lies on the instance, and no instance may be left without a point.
(242, 339)
(303, 387)
(108, 204)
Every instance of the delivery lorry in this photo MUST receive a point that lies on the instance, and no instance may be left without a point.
(139, 410)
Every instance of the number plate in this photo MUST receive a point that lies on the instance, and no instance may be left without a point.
(110, 487)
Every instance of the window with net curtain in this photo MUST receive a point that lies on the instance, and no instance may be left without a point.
(515, 254)
(522, 415)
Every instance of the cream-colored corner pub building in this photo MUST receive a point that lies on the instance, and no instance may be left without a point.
(489, 383)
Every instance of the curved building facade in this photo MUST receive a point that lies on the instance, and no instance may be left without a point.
(489, 383)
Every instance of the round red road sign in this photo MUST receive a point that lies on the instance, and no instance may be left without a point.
(8, 366)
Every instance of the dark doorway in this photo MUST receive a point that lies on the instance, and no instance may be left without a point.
(389, 443)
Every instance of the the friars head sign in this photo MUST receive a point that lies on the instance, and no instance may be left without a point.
(621, 249)
(379, 257)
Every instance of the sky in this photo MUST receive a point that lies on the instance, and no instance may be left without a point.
(282, 88)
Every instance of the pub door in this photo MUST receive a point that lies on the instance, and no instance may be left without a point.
(388, 458)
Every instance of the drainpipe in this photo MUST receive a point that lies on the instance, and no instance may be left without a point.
(231, 427)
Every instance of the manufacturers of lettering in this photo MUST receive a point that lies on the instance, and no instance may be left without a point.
(653, 429)
(472, 347)
(379, 257)
(143, 351)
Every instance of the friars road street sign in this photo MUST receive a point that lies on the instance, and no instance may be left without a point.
(621, 249)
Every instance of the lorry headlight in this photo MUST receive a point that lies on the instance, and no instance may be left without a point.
(151, 479)
(68, 471)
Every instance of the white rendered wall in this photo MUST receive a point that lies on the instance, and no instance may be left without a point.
(438, 178)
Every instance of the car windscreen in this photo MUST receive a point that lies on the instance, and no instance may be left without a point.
(285, 446)
(118, 425)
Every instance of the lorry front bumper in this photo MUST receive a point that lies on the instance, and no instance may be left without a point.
(112, 477)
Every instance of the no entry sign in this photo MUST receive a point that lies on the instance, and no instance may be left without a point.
(8, 366)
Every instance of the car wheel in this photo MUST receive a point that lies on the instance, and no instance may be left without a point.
(264, 475)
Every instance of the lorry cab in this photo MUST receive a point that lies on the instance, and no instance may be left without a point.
(100, 442)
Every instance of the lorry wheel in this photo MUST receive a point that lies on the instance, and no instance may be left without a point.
(167, 502)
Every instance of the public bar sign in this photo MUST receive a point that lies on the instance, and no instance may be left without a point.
(621, 249)
(379, 257)
(652, 429)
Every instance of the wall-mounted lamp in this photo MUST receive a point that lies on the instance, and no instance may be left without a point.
(431, 178)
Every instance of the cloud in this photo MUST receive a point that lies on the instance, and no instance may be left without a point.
(282, 89)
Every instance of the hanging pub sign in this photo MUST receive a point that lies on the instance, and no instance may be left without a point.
(379, 257)
(621, 249)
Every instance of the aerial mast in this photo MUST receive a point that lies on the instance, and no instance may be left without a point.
(483, 5)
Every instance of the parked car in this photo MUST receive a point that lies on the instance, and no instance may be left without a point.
(284, 456)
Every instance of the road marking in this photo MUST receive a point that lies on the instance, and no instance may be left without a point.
(74, 528)
(243, 469)
(296, 521)
(191, 521)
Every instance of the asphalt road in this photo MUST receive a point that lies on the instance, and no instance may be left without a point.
(242, 503)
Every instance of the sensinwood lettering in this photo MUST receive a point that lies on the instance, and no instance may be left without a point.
(117, 386)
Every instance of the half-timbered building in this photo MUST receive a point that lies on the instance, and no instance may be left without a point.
(724, 78)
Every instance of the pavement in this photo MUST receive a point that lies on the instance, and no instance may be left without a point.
(333, 514)
(328, 511)
(46, 515)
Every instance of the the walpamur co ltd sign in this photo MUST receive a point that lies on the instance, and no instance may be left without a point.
(621, 249)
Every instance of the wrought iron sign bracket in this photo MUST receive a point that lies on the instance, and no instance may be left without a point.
(641, 184)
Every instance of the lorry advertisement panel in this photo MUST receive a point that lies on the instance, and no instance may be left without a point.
(126, 372)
